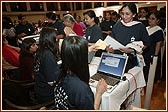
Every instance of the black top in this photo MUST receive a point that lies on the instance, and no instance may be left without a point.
(154, 38)
(58, 25)
(126, 34)
(93, 34)
(145, 22)
(28, 29)
(80, 95)
(106, 26)
(46, 71)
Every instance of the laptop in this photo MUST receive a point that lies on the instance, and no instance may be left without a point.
(111, 68)
(90, 56)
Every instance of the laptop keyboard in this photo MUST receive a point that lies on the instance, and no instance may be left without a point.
(110, 81)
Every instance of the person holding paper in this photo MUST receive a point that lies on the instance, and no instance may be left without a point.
(129, 30)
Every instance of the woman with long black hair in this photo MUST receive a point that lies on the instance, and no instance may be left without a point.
(46, 68)
(74, 78)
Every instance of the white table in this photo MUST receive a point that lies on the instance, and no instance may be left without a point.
(36, 37)
(113, 100)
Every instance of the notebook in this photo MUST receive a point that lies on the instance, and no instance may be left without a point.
(90, 56)
(111, 68)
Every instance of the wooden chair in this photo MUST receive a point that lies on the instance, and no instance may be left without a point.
(20, 95)
(49, 105)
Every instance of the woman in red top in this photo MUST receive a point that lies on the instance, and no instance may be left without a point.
(72, 27)
(10, 53)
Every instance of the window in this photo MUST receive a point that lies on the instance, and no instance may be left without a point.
(87, 5)
(36, 6)
(112, 3)
(52, 6)
(78, 6)
(98, 4)
(18, 6)
(65, 6)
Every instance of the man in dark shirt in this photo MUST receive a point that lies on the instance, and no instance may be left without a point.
(24, 28)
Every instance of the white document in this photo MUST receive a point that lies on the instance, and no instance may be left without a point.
(113, 43)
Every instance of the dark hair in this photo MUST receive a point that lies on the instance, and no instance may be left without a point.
(132, 7)
(74, 55)
(92, 14)
(3, 40)
(20, 16)
(78, 17)
(6, 22)
(146, 9)
(157, 14)
(48, 41)
(26, 44)
(25, 48)
(51, 15)
(114, 13)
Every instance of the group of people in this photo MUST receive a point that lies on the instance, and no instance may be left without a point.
(41, 63)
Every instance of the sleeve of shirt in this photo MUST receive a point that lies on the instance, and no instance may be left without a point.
(50, 67)
(61, 28)
(32, 29)
(16, 30)
(113, 31)
(97, 35)
(101, 26)
(85, 100)
(11, 56)
(159, 36)
(145, 36)
(78, 30)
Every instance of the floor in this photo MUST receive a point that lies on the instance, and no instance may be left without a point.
(158, 102)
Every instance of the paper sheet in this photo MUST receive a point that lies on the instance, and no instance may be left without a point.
(102, 45)
(113, 43)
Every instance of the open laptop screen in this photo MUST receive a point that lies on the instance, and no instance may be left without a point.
(90, 56)
(112, 64)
